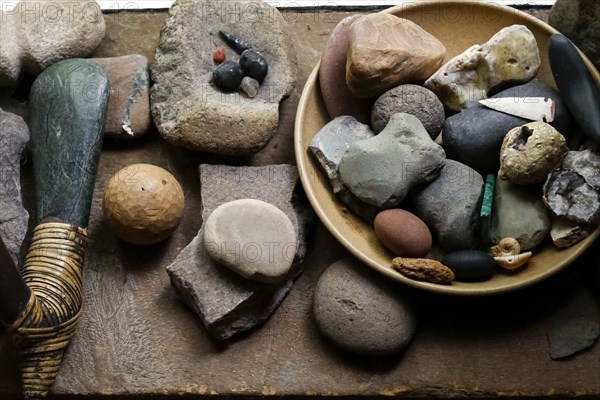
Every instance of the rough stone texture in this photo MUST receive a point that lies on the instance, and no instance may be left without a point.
(128, 115)
(511, 56)
(38, 33)
(188, 109)
(579, 21)
(337, 96)
(14, 135)
(385, 51)
(381, 170)
(586, 163)
(360, 311)
(227, 303)
(423, 269)
(253, 238)
(519, 213)
(530, 152)
(410, 99)
(462, 133)
(565, 233)
(450, 206)
(571, 336)
(568, 195)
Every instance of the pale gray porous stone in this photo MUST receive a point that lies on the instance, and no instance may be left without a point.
(38, 33)
(227, 303)
(14, 135)
(380, 171)
(188, 109)
(586, 163)
(253, 238)
(567, 194)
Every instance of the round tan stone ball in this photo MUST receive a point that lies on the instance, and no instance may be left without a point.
(143, 204)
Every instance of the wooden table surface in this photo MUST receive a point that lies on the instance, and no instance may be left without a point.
(136, 338)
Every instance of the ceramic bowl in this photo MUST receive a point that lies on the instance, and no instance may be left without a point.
(458, 24)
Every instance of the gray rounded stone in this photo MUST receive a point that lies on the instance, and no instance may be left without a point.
(360, 311)
(251, 237)
(411, 99)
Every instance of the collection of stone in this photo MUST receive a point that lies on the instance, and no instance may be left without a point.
(489, 182)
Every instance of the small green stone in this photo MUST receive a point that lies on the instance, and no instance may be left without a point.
(485, 214)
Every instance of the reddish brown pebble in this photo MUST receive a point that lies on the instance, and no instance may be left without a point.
(403, 233)
(219, 55)
(423, 269)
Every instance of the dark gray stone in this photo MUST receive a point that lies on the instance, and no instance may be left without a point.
(227, 303)
(450, 206)
(520, 213)
(474, 136)
(14, 135)
(568, 195)
(571, 336)
(586, 163)
(380, 171)
(362, 312)
(470, 265)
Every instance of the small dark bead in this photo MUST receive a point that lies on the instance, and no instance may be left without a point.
(254, 65)
(228, 76)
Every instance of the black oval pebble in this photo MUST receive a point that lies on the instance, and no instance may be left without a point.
(228, 76)
(254, 65)
(470, 265)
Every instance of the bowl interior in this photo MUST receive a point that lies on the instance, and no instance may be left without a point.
(457, 24)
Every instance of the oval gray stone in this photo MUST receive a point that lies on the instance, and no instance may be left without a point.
(360, 311)
(251, 237)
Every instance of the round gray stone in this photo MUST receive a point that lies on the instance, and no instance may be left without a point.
(360, 311)
(253, 238)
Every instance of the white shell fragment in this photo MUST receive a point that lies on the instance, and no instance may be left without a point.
(507, 247)
(531, 108)
(513, 262)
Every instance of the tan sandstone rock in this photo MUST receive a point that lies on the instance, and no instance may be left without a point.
(385, 51)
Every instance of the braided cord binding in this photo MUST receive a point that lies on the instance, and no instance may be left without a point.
(52, 271)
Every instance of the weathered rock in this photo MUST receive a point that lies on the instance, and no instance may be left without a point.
(463, 133)
(14, 135)
(385, 51)
(403, 233)
(381, 170)
(337, 96)
(360, 311)
(450, 206)
(571, 336)
(470, 265)
(409, 99)
(188, 109)
(366, 211)
(586, 163)
(227, 303)
(128, 115)
(565, 233)
(579, 20)
(568, 195)
(253, 238)
(530, 152)
(511, 56)
(423, 269)
(519, 212)
(38, 33)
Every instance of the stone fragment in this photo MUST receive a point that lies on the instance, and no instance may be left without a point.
(250, 86)
(570, 336)
(568, 195)
(579, 20)
(226, 302)
(14, 135)
(337, 96)
(470, 265)
(474, 136)
(385, 51)
(529, 108)
(381, 170)
(128, 115)
(511, 56)
(188, 109)
(360, 311)
(423, 269)
(450, 206)
(403, 233)
(251, 237)
(565, 233)
(519, 213)
(366, 211)
(38, 33)
(530, 152)
(511, 263)
(409, 99)
(586, 163)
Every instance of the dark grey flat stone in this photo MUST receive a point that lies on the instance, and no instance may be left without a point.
(572, 336)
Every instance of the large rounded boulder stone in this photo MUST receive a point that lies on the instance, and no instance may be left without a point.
(189, 110)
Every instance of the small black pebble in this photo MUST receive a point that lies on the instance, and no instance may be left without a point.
(228, 76)
(254, 65)
(470, 265)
